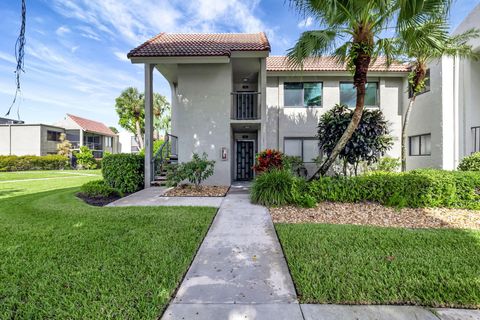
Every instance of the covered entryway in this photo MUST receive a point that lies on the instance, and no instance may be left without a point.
(245, 147)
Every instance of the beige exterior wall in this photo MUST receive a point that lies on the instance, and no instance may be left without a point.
(27, 140)
(201, 115)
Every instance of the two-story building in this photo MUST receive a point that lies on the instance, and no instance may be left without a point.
(230, 99)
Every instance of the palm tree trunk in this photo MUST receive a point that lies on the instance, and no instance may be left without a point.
(139, 135)
(352, 126)
(404, 133)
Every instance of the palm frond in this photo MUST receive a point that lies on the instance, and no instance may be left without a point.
(388, 48)
(312, 43)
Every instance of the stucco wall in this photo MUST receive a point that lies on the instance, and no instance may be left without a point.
(24, 140)
(48, 147)
(302, 122)
(426, 117)
(201, 113)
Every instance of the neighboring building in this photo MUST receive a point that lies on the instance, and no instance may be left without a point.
(445, 121)
(128, 143)
(10, 121)
(231, 100)
(95, 135)
(29, 139)
(41, 139)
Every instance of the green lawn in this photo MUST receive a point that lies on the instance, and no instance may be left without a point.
(371, 265)
(61, 258)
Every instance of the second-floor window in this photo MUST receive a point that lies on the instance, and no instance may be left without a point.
(53, 135)
(420, 145)
(108, 141)
(302, 94)
(348, 94)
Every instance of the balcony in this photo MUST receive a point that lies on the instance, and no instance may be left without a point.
(245, 106)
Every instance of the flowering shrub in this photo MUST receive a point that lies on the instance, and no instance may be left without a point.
(268, 159)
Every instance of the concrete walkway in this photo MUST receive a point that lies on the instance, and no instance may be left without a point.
(154, 197)
(239, 271)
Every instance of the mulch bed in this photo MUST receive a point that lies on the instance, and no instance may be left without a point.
(97, 201)
(202, 191)
(373, 214)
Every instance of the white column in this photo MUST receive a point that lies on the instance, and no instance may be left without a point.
(263, 106)
(148, 124)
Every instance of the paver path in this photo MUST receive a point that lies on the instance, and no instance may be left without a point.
(239, 271)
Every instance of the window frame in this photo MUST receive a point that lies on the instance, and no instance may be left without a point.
(57, 135)
(303, 93)
(419, 136)
(366, 106)
(302, 139)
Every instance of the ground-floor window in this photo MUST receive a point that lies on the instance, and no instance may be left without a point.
(420, 145)
(305, 147)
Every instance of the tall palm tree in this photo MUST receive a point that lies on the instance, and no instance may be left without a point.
(415, 44)
(131, 112)
(352, 34)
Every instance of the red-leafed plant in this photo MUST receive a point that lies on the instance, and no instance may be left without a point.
(268, 159)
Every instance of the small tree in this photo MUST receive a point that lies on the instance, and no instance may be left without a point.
(64, 148)
(114, 130)
(195, 171)
(368, 143)
(85, 158)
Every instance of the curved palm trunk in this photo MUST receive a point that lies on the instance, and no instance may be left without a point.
(360, 80)
(139, 135)
(404, 133)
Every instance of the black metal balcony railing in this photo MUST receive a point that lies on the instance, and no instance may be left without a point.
(245, 105)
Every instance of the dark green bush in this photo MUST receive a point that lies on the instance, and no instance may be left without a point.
(470, 163)
(124, 172)
(418, 188)
(22, 163)
(195, 171)
(98, 189)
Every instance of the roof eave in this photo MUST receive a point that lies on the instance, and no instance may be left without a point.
(180, 59)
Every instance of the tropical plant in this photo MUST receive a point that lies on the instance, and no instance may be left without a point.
(295, 165)
(130, 107)
(273, 188)
(268, 159)
(195, 171)
(368, 143)
(114, 130)
(64, 148)
(352, 34)
(416, 44)
(85, 158)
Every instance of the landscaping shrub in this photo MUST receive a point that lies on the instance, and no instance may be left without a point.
(85, 158)
(388, 164)
(98, 189)
(294, 164)
(268, 159)
(124, 172)
(195, 171)
(273, 188)
(470, 163)
(418, 188)
(22, 163)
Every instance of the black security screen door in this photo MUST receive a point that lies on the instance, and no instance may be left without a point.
(245, 160)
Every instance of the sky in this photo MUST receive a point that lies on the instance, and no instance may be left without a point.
(76, 52)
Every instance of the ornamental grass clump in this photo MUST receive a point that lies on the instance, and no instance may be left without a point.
(273, 188)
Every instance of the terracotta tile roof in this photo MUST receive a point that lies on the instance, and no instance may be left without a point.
(91, 126)
(281, 63)
(200, 44)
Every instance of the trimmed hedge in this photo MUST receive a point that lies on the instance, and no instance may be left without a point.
(22, 163)
(124, 171)
(98, 189)
(470, 163)
(416, 189)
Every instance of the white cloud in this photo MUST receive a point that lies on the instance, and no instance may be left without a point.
(305, 23)
(122, 56)
(61, 31)
(74, 49)
(7, 57)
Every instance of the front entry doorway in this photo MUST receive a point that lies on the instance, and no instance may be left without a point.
(244, 160)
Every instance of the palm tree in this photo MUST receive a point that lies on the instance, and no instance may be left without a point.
(130, 109)
(417, 48)
(352, 34)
